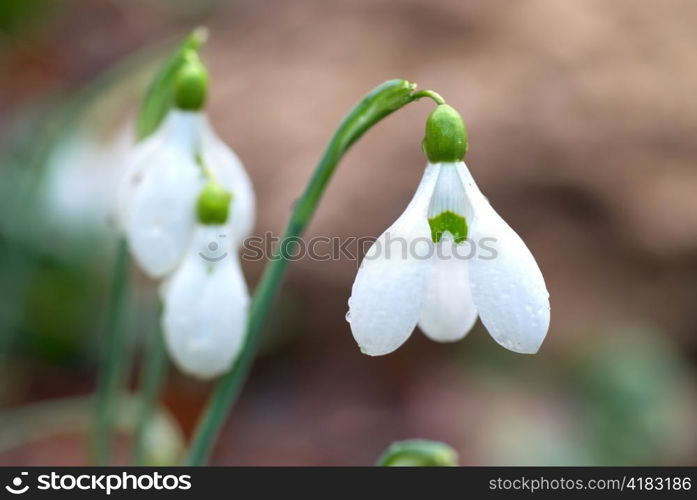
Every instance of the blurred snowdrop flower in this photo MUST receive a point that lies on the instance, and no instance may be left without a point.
(206, 299)
(167, 171)
(81, 174)
(186, 204)
(430, 280)
(205, 305)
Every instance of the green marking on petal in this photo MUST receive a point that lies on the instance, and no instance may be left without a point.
(449, 222)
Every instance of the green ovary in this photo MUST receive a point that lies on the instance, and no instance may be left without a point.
(449, 222)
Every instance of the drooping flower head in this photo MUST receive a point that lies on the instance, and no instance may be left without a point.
(186, 204)
(166, 173)
(446, 260)
(206, 299)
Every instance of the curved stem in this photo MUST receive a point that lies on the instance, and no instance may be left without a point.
(437, 98)
(112, 374)
(153, 373)
(380, 102)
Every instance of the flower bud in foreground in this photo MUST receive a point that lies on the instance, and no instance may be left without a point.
(418, 453)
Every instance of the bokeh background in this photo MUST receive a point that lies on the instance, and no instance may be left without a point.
(582, 119)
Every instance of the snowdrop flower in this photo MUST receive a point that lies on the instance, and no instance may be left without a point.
(206, 299)
(166, 173)
(79, 188)
(432, 279)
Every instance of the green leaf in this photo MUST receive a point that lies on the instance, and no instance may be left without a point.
(160, 94)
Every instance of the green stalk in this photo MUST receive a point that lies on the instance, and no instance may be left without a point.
(112, 375)
(153, 374)
(376, 105)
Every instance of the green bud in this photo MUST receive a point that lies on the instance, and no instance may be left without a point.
(213, 204)
(191, 84)
(418, 453)
(446, 136)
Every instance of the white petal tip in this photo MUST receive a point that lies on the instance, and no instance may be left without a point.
(202, 375)
(200, 363)
(374, 344)
(519, 347)
(446, 333)
(445, 340)
(369, 351)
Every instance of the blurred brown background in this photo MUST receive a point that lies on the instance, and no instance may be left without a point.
(582, 122)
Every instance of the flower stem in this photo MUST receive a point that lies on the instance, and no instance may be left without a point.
(437, 98)
(153, 373)
(376, 105)
(112, 375)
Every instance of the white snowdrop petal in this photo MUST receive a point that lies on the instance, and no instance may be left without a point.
(179, 132)
(142, 156)
(448, 312)
(161, 211)
(206, 303)
(157, 194)
(80, 177)
(229, 170)
(507, 286)
(388, 290)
